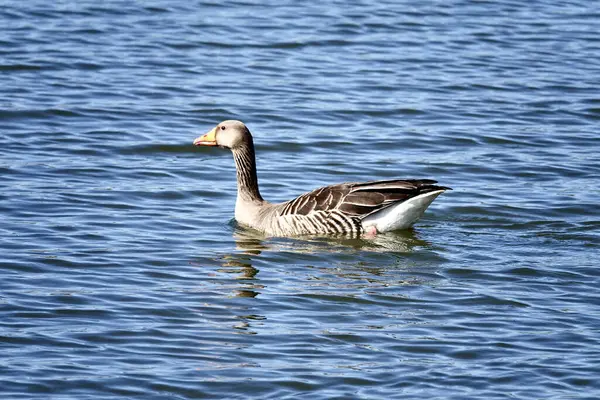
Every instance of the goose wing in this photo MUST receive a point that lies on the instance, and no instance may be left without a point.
(358, 200)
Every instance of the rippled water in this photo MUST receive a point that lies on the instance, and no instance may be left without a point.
(123, 275)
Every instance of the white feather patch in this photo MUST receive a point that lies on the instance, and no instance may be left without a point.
(401, 216)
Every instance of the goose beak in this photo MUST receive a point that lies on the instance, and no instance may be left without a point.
(208, 139)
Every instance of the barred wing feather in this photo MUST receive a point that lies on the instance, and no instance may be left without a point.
(358, 200)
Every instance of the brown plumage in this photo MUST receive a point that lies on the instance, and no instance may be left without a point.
(358, 199)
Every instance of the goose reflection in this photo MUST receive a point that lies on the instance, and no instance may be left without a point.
(240, 265)
(253, 243)
(250, 244)
(324, 265)
(356, 264)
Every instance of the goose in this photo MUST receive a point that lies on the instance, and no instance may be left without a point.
(351, 209)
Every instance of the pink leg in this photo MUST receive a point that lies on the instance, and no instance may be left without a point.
(371, 231)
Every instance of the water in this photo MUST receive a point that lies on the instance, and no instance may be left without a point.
(123, 275)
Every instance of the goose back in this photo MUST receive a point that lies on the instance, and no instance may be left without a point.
(341, 208)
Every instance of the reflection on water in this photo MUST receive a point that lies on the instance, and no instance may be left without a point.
(238, 265)
(262, 275)
(363, 262)
(251, 242)
(322, 264)
(241, 268)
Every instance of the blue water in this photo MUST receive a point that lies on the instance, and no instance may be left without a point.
(124, 276)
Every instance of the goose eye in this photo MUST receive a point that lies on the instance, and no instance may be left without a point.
(223, 128)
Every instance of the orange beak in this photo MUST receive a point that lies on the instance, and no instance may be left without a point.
(208, 139)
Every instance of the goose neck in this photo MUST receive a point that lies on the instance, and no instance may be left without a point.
(247, 180)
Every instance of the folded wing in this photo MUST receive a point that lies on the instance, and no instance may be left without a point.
(358, 200)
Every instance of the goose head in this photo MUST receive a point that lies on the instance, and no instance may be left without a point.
(229, 134)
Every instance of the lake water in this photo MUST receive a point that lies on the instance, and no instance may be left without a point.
(123, 275)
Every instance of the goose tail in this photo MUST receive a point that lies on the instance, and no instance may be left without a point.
(402, 215)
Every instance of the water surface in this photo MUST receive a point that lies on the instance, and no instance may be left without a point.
(124, 276)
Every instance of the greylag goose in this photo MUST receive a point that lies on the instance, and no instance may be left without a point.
(347, 208)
